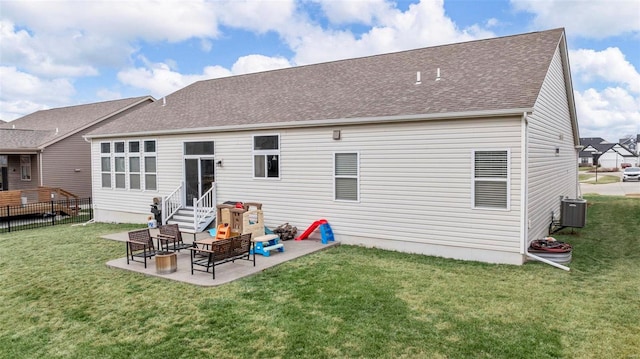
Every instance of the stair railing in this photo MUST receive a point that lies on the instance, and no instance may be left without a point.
(203, 208)
(172, 203)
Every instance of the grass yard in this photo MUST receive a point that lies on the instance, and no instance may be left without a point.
(59, 300)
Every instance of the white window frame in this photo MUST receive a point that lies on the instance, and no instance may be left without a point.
(119, 156)
(266, 153)
(506, 179)
(102, 172)
(25, 168)
(356, 177)
(130, 173)
(143, 168)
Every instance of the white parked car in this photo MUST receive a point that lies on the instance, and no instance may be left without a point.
(631, 174)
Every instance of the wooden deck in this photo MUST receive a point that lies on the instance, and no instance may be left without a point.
(40, 201)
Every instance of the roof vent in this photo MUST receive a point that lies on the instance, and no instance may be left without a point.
(13, 127)
(164, 101)
(438, 74)
(56, 130)
(418, 82)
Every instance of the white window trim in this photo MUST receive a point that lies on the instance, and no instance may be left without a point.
(114, 172)
(492, 179)
(27, 166)
(143, 169)
(128, 172)
(255, 152)
(357, 177)
(107, 155)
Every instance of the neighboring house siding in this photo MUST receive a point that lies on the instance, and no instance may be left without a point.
(550, 177)
(60, 162)
(14, 179)
(415, 185)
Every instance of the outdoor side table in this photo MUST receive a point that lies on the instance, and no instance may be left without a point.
(265, 244)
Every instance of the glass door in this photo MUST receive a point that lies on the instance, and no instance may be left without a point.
(198, 177)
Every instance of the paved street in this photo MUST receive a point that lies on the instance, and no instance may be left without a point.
(611, 189)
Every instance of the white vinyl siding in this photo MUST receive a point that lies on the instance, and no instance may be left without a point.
(551, 176)
(415, 176)
(491, 179)
(346, 176)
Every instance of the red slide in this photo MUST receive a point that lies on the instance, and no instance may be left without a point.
(311, 228)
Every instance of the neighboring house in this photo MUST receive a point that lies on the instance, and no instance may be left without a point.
(47, 148)
(609, 155)
(631, 143)
(461, 150)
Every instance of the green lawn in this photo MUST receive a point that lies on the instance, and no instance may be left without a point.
(602, 178)
(59, 300)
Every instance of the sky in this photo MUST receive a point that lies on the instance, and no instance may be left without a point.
(57, 53)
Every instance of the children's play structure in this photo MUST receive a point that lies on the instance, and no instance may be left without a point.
(325, 231)
(242, 218)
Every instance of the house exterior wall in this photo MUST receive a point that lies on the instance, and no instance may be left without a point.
(551, 176)
(415, 185)
(67, 164)
(15, 181)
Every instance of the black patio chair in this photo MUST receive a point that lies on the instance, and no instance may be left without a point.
(140, 246)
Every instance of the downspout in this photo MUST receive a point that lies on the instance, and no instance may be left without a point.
(524, 205)
(524, 197)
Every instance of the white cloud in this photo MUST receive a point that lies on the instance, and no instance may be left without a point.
(423, 24)
(257, 63)
(610, 114)
(24, 93)
(161, 79)
(608, 65)
(361, 12)
(260, 16)
(593, 18)
(42, 56)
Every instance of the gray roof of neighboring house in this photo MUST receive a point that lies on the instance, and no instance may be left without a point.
(476, 76)
(46, 126)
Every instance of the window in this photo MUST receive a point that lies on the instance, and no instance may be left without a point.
(25, 167)
(266, 156)
(119, 164)
(150, 174)
(491, 179)
(346, 177)
(134, 164)
(105, 164)
(198, 148)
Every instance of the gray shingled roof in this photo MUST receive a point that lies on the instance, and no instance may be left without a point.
(38, 128)
(485, 75)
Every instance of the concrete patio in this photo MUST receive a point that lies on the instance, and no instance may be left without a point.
(225, 273)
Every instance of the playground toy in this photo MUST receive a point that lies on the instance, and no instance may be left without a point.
(241, 218)
(223, 231)
(265, 244)
(325, 231)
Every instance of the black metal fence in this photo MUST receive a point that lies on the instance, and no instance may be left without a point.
(43, 214)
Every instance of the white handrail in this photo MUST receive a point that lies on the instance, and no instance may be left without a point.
(203, 207)
(172, 203)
